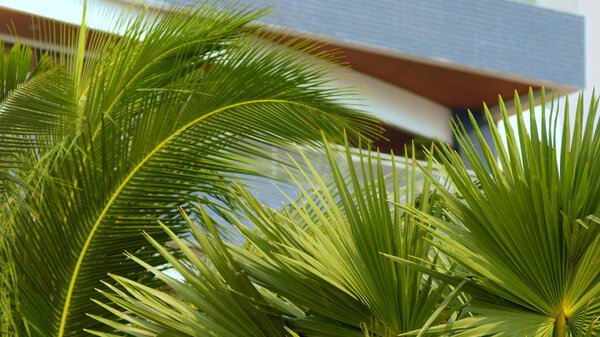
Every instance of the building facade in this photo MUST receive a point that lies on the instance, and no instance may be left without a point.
(421, 63)
(418, 63)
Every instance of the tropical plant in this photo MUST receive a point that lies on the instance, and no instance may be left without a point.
(14, 67)
(527, 231)
(110, 133)
(522, 230)
(314, 266)
(216, 297)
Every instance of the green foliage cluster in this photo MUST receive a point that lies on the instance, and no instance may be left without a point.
(106, 151)
(102, 138)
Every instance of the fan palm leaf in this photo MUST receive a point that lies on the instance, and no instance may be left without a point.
(527, 233)
(325, 251)
(126, 129)
(318, 260)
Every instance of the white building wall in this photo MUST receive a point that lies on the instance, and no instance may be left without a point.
(400, 108)
(591, 10)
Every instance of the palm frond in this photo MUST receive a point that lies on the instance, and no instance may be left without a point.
(528, 232)
(158, 118)
(215, 298)
(323, 253)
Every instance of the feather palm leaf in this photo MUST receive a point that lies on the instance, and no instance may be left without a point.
(101, 140)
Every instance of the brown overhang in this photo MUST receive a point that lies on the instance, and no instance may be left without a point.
(450, 85)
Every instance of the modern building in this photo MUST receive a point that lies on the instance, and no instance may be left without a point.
(419, 63)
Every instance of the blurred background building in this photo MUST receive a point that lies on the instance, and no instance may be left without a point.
(416, 63)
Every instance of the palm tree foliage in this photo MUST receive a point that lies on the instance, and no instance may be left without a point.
(113, 132)
(325, 251)
(231, 305)
(14, 68)
(527, 231)
(315, 266)
(529, 265)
